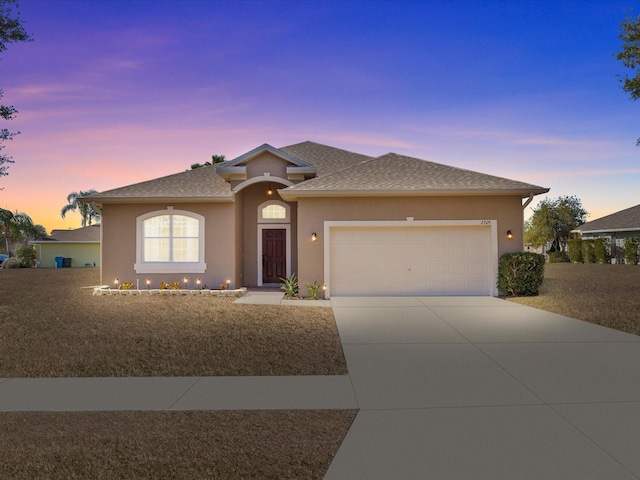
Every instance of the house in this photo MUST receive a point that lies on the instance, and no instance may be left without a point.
(614, 228)
(81, 245)
(358, 225)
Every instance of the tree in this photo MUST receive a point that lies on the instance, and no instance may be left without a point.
(86, 210)
(214, 159)
(16, 227)
(553, 220)
(11, 31)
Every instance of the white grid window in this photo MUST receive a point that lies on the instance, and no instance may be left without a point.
(171, 238)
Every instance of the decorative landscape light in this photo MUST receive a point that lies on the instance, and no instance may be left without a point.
(228, 283)
(198, 283)
(509, 234)
(186, 280)
(148, 284)
(116, 281)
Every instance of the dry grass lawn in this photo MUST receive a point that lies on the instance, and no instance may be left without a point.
(608, 295)
(50, 327)
(170, 445)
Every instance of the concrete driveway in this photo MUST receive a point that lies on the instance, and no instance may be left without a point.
(481, 388)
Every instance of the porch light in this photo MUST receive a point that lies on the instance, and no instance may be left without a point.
(314, 237)
(269, 190)
(509, 234)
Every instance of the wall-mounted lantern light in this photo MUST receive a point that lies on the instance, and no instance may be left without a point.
(314, 237)
(269, 190)
(509, 234)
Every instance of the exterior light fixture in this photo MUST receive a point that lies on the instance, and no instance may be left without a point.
(148, 284)
(314, 237)
(228, 284)
(509, 234)
(269, 190)
(116, 281)
(198, 283)
(186, 280)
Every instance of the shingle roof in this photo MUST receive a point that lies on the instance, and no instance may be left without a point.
(325, 158)
(84, 234)
(338, 171)
(394, 174)
(199, 184)
(628, 219)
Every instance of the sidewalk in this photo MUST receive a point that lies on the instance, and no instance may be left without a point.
(176, 393)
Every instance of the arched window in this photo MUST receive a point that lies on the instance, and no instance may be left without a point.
(273, 211)
(170, 240)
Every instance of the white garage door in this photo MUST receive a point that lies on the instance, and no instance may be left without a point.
(399, 260)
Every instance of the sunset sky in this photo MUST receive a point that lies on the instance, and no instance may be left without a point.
(111, 93)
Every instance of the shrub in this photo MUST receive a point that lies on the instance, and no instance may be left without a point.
(520, 273)
(170, 286)
(12, 262)
(314, 290)
(126, 286)
(575, 250)
(290, 286)
(558, 257)
(600, 251)
(630, 250)
(588, 251)
(27, 256)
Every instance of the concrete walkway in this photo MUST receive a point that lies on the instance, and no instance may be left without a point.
(447, 388)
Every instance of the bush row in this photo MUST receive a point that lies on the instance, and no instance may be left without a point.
(588, 250)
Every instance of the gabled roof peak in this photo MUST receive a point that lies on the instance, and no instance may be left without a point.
(265, 147)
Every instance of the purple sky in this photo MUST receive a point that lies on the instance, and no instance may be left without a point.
(115, 92)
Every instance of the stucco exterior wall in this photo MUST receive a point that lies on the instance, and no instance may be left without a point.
(81, 254)
(119, 243)
(267, 162)
(312, 213)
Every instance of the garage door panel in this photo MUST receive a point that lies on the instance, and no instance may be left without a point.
(410, 260)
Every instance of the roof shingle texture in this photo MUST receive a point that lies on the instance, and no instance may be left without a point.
(622, 220)
(201, 182)
(326, 159)
(398, 173)
(337, 171)
(84, 234)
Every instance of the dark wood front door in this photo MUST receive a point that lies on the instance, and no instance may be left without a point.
(274, 255)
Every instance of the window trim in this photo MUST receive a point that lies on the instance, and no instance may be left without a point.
(169, 267)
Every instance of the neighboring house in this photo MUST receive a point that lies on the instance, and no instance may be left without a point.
(359, 225)
(81, 245)
(614, 228)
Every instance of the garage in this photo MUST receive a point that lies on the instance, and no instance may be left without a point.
(411, 258)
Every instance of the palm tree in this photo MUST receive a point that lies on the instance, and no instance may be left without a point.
(16, 226)
(86, 210)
